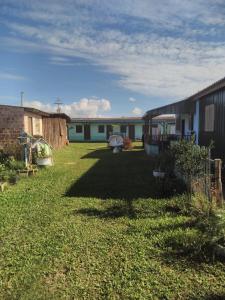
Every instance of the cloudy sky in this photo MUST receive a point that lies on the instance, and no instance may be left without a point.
(109, 58)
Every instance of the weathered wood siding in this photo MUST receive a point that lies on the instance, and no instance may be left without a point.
(55, 131)
(218, 134)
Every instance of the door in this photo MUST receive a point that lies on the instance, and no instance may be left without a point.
(87, 132)
(30, 126)
(183, 128)
(131, 132)
(109, 130)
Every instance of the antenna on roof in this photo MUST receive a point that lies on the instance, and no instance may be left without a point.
(58, 103)
(21, 98)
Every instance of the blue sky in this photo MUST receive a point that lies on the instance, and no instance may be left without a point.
(109, 58)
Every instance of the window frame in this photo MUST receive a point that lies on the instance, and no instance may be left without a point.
(209, 124)
(123, 126)
(102, 127)
(81, 128)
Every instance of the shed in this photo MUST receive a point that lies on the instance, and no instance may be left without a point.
(15, 119)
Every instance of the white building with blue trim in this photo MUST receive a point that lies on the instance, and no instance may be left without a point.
(99, 129)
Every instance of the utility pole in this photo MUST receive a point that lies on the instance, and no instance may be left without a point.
(58, 103)
(21, 98)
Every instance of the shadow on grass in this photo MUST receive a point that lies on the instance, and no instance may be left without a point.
(112, 212)
(218, 296)
(126, 175)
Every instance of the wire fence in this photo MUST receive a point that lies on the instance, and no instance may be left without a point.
(209, 182)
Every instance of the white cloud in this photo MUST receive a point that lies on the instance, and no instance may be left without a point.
(9, 76)
(83, 108)
(170, 65)
(137, 111)
(131, 99)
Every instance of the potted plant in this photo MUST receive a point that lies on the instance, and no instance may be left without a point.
(44, 155)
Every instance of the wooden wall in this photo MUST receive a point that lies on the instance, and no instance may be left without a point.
(55, 131)
(218, 134)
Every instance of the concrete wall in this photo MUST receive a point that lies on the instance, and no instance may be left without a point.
(11, 125)
(97, 136)
(72, 135)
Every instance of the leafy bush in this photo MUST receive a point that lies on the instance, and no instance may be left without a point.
(8, 167)
(189, 158)
(4, 157)
(16, 165)
(209, 221)
(213, 227)
(198, 206)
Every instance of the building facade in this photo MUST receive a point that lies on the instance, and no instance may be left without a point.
(99, 129)
(15, 119)
(201, 115)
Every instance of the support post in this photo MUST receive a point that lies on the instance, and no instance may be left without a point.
(218, 182)
(150, 129)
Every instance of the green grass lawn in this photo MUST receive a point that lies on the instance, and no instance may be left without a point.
(94, 227)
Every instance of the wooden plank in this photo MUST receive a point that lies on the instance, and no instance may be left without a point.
(3, 186)
(218, 182)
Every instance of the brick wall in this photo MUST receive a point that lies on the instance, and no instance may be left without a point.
(11, 124)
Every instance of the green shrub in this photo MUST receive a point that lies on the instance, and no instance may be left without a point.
(190, 160)
(198, 206)
(16, 165)
(208, 220)
(213, 227)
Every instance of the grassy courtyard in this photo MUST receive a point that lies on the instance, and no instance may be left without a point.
(94, 226)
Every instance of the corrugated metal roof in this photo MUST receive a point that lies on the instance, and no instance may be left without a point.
(108, 120)
(39, 112)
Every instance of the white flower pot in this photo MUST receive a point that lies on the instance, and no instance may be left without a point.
(159, 174)
(44, 161)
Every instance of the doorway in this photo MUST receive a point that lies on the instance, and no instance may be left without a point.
(87, 132)
(131, 132)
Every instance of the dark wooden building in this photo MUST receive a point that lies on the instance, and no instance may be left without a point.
(202, 114)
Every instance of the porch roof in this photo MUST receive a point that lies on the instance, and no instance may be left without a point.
(184, 106)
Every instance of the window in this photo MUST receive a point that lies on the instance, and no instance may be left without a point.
(101, 128)
(79, 129)
(209, 118)
(123, 128)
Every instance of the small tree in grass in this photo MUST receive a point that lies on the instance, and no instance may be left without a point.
(190, 160)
